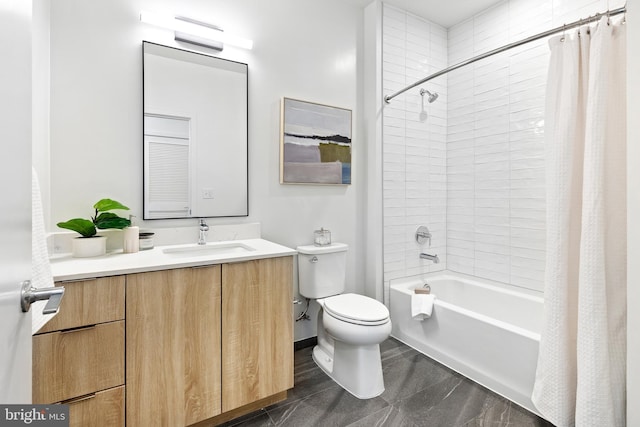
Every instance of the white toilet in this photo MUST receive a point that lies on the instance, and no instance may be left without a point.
(350, 326)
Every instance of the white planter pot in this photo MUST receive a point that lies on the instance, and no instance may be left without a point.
(84, 247)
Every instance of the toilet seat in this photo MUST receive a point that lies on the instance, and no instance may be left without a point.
(357, 309)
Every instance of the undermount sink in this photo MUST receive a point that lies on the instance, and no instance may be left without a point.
(209, 249)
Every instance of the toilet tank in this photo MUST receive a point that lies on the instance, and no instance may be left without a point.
(322, 270)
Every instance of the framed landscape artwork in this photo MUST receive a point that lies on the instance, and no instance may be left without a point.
(315, 143)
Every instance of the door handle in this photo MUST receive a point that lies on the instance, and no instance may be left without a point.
(30, 295)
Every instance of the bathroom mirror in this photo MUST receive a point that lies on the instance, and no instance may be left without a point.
(195, 134)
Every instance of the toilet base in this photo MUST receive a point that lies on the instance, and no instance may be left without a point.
(357, 369)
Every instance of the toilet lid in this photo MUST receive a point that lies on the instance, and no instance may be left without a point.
(356, 308)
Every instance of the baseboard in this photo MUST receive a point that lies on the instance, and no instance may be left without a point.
(308, 342)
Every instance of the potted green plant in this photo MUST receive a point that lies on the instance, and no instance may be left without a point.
(89, 244)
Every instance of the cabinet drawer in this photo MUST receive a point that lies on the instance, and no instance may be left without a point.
(73, 363)
(88, 302)
(101, 409)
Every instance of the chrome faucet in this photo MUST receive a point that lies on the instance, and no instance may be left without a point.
(433, 258)
(202, 240)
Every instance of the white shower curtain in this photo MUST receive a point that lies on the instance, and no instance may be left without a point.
(580, 379)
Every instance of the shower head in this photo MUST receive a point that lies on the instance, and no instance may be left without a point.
(431, 96)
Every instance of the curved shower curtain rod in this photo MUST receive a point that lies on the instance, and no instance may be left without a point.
(565, 27)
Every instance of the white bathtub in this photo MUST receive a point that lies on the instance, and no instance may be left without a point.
(487, 331)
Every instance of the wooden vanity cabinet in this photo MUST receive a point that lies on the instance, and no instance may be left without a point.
(78, 356)
(173, 346)
(203, 345)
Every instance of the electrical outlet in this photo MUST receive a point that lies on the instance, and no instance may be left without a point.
(207, 193)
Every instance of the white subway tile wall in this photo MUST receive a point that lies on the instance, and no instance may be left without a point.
(495, 158)
(414, 147)
(471, 165)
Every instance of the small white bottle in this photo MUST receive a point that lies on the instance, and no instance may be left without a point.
(131, 238)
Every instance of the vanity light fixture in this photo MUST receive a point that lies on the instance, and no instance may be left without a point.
(195, 32)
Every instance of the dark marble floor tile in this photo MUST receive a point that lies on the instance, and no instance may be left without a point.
(500, 412)
(419, 392)
(308, 379)
(391, 347)
(331, 407)
(452, 402)
(409, 373)
(385, 417)
(302, 360)
(460, 402)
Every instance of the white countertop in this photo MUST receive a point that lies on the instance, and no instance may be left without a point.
(65, 267)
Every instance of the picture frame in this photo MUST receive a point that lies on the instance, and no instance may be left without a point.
(315, 143)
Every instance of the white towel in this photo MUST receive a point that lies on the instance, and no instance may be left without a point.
(41, 276)
(422, 306)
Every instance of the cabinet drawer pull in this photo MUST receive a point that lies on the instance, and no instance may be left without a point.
(195, 267)
(86, 279)
(78, 399)
(82, 328)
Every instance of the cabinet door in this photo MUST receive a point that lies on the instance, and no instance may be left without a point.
(257, 320)
(173, 346)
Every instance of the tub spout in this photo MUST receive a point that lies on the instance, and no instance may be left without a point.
(433, 258)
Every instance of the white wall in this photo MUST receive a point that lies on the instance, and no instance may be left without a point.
(96, 108)
(633, 213)
(40, 112)
(414, 143)
(372, 212)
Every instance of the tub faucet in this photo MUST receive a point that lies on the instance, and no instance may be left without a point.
(433, 258)
(202, 240)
